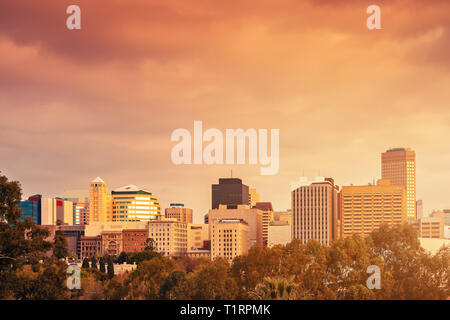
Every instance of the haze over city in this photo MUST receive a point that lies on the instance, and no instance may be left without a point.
(103, 101)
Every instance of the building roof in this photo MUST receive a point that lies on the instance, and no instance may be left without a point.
(98, 179)
(264, 206)
(131, 188)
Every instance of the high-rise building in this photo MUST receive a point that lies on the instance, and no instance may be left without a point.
(314, 210)
(253, 197)
(253, 217)
(399, 166)
(56, 209)
(132, 203)
(230, 192)
(229, 238)
(267, 216)
(365, 208)
(179, 212)
(32, 208)
(99, 202)
(47, 211)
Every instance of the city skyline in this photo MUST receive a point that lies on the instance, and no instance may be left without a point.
(198, 217)
(103, 100)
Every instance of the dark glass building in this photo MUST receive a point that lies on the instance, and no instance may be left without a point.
(230, 192)
(32, 208)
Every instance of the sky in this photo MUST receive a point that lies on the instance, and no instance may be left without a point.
(104, 100)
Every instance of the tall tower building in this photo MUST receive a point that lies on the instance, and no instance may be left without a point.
(314, 211)
(399, 166)
(230, 192)
(99, 202)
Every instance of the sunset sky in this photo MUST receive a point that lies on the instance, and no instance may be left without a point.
(104, 100)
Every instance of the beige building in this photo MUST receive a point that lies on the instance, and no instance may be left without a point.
(179, 212)
(314, 210)
(169, 236)
(132, 203)
(253, 197)
(279, 233)
(229, 238)
(430, 227)
(399, 166)
(96, 228)
(99, 202)
(253, 217)
(365, 208)
(197, 236)
(54, 209)
(283, 216)
(267, 216)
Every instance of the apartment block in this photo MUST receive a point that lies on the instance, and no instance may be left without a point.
(365, 208)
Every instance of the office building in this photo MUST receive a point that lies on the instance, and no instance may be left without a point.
(399, 166)
(229, 238)
(230, 192)
(179, 212)
(99, 202)
(267, 216)
(253, 217)
(132, 203)
(169, 236)
(429, 227)
(134, 240)
(80, 213)
(32, 208)
(314, 210)
(365, 208)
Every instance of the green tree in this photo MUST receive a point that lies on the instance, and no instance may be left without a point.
(276, 288)
(175, 279)
(94, 262)
(60, 247)
(21, 242)
(102, 265)
(85, 264)
(110, 268)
